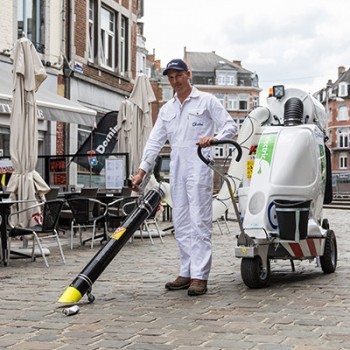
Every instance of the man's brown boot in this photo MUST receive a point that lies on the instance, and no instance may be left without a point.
(197, 287)
(179, 283)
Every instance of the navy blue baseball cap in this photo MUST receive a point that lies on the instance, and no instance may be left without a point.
(176, 64)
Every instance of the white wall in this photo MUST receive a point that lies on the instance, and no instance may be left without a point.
(6, 27)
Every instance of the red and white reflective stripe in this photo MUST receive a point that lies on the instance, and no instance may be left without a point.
(306, 248)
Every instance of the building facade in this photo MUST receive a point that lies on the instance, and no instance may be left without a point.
(336, 99)
(90, 51)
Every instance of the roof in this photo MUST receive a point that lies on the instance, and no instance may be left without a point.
(210, 61)
(344, 77)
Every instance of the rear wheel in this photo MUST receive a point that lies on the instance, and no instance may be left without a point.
(330, 254)
(325, 224)
(253, 274)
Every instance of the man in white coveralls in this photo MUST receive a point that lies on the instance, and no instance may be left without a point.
(188, 120)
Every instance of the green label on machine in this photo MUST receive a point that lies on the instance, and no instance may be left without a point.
(265, 147)
(323, 163)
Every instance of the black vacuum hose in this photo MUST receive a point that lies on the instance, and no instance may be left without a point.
(293, 112)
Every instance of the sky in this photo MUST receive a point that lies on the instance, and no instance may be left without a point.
(299, 43)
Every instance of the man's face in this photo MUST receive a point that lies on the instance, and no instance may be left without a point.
(178, 79)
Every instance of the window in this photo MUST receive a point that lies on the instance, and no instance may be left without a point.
(167, 93)
(343, 89)
(343, 113)
(219, 151)
(226, 78)
(232, 102)
(221, 98)
(243, 102)
(255, 101)
(4, 142)
(223, 151)
(230, 79)
(239, 122)
(31, 22)
(91, 30)
(343, 139)
(343, 161)
(107, 34)
(123, 45)
(108, 44)
(221, 79)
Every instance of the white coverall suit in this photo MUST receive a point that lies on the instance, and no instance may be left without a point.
(191, 181)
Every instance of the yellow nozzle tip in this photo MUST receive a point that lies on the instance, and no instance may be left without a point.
(70, 295)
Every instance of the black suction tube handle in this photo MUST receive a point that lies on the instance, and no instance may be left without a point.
(220, 142)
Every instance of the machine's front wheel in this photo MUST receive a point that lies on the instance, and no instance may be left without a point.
(330, 254)
(253, 274)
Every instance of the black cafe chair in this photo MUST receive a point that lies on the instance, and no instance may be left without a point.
(52, 194)
(151, 220)
(47, 229)
(116, 215)
(89, 192)
(119, 209)
(87, 213)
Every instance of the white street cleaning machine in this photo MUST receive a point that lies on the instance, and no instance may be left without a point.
(284, 180)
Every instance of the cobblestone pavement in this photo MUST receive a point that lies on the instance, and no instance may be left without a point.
(301, 310)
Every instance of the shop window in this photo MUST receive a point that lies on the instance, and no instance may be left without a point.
(4, 142)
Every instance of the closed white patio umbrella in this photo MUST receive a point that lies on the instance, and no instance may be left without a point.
(135, 121)
(25, 182)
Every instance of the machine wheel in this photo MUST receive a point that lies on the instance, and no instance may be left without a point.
(330, 254)
(253, 274)
(90, 296)
(325, 224)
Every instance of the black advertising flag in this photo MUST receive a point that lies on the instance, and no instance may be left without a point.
(101, 141)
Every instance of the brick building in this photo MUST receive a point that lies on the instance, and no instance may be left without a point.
(92, 50)
(336, 99)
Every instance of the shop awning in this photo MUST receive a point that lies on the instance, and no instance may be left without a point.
(51, 106)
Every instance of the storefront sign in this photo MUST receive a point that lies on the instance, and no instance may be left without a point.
(5, 108)
(102, 140)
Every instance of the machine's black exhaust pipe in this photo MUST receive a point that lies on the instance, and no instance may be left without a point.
(293, 112)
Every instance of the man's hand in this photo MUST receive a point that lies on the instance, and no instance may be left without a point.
(206, 141)
(137, 179)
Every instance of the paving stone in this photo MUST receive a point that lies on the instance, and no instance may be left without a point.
(301, 310)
